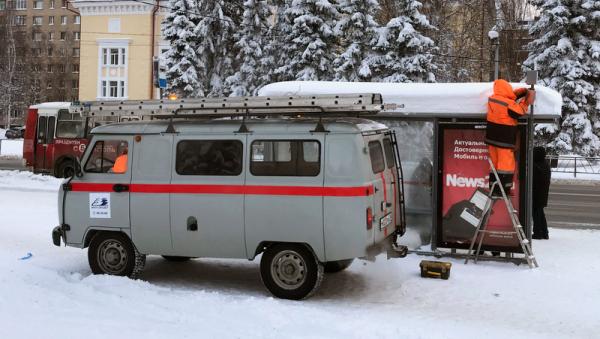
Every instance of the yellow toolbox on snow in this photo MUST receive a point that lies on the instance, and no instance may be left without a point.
(435, 269)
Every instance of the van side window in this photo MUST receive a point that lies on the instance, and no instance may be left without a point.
(209, 157)
(108, 156)
(389, 153)
(376, 154)
(286, 158)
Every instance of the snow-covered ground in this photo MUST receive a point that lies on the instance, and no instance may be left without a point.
(53, 295)
(11, 148)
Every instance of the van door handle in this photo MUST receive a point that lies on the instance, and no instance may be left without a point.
(120, 188)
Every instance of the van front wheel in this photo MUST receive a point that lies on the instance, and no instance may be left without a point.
(290, 271)
(113, 253)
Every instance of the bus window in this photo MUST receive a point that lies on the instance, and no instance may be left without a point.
(50, 131)
(70, 125)
(41, 132)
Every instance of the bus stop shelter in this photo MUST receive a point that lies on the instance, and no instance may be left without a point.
(440, 129)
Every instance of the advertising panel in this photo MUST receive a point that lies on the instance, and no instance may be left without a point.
(464, 187)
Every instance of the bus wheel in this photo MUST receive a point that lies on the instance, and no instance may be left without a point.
(113, 253)
(175, 259)
(66, 169)
(290, 271)
(337, 266)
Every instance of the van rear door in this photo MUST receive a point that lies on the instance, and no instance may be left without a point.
(383, 194)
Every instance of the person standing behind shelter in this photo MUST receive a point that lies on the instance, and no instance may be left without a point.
(501, 133)
(541, 186)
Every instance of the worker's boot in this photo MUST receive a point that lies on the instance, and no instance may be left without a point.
(496, 192)
(507, 182)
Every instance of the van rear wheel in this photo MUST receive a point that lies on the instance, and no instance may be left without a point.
(113, 253)
(175, 258)
(337, 266)
(290, 271)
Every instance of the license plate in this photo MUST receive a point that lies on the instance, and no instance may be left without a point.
(385, 221)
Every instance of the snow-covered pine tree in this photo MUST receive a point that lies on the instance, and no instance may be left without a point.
(563, 54)
(250, 41)
(357, 31)
(274, 41)
(309, 46)
(181, 60)
(405, 48)
(215, 44)
(591, 10)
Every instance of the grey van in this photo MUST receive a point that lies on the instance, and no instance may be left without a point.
(309, 201)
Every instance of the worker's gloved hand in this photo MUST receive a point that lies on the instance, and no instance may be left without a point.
(530, 98)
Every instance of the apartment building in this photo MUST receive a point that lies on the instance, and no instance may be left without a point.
(47, 38)
(120, 41)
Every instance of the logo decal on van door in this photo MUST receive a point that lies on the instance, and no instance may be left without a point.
(100, 205)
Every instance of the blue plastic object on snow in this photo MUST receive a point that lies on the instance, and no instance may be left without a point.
(28, 256)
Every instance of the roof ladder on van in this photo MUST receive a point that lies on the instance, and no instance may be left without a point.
(297, 106)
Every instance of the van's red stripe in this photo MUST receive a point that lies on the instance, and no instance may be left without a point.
(357, 191)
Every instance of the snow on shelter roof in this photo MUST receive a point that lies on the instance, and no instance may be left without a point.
(444, 100)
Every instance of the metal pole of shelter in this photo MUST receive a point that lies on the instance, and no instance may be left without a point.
(531, 80)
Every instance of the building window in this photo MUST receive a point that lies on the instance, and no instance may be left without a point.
(19, 20)
(61, 52)
(113, 56)
(75, 84)
(49, 84)
(20, 4)
(37, 36)
(76, 52)
(50, 20)
(50, 36)
(76, 36)
(61, 68)
(36, 68)
(37, 20)
(51, 4)
(63, 19)
(50, 68)
(50, 51)
(112, 82)
(114, 25)
(63, 36)
(38, 4)
(75, 68)
(36, 52)
(76, 19)
(64, 4)
(2, 5)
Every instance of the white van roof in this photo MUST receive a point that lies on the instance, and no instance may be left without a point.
(443, 100)
(228, 126)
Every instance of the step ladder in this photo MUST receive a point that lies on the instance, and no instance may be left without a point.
(481, 231)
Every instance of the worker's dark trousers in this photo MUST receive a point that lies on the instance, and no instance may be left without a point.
(540, 227)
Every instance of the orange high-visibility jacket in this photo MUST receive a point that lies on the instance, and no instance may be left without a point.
(120, 165)
(502, 115)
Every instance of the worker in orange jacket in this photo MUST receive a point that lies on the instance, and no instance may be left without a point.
(505, 106)
(120, 165)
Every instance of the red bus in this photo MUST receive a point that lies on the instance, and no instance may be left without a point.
(55, 137)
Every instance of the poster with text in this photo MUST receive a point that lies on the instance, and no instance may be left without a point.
(464, 191)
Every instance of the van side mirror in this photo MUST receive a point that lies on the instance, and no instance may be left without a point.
(78, 168)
